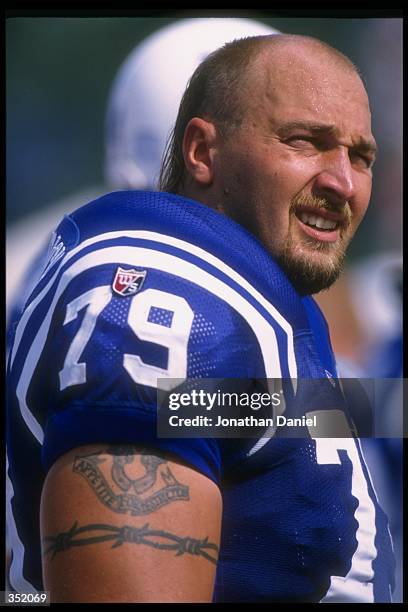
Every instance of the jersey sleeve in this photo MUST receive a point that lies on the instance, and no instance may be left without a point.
(111, 323)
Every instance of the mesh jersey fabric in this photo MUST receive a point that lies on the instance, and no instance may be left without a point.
(290, 521)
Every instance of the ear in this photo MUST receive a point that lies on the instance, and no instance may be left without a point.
(199, 148)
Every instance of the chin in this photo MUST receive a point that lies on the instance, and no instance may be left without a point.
(312, 270)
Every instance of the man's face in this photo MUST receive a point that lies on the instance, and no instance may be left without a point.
(297, 173)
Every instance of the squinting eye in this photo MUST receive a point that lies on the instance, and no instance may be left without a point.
(303, 140)
(365, 159)
(294, 139)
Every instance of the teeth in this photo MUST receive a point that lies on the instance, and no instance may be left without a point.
(316, 221)
(325, 223)
(329, 224)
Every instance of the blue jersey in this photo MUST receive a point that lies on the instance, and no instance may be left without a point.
(143, 286)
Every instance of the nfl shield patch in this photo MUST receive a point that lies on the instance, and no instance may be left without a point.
(128, 282)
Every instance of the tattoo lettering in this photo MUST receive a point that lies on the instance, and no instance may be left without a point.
(154, 538)
(129, 497)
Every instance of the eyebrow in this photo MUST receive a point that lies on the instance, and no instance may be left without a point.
(363, 145)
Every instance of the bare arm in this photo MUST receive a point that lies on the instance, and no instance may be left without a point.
(127, 524)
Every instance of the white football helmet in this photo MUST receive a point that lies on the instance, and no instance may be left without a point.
(146, 94)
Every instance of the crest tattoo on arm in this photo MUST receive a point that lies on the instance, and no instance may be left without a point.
(157, 482)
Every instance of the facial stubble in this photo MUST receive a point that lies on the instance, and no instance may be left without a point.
(312, 265)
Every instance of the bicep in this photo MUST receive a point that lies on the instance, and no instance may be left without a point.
(127, 524)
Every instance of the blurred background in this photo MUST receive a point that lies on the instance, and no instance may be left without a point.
(59, 72)
(59, 76)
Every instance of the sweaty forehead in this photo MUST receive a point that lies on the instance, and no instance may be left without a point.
(299, 75)
(301, 53)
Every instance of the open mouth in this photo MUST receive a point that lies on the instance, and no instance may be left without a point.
(323, 225)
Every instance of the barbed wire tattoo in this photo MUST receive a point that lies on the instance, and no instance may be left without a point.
(154, 538)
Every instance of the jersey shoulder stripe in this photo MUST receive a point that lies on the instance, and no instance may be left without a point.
(146, 258)
(278, 313)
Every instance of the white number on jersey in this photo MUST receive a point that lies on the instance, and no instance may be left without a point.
(174, 338)
(74, 373)
(356, 585)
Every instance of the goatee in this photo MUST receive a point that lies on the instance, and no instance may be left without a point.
(308, 275)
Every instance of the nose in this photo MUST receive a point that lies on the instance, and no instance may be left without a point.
(335, 180)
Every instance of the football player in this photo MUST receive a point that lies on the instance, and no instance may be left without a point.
(266, 179)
